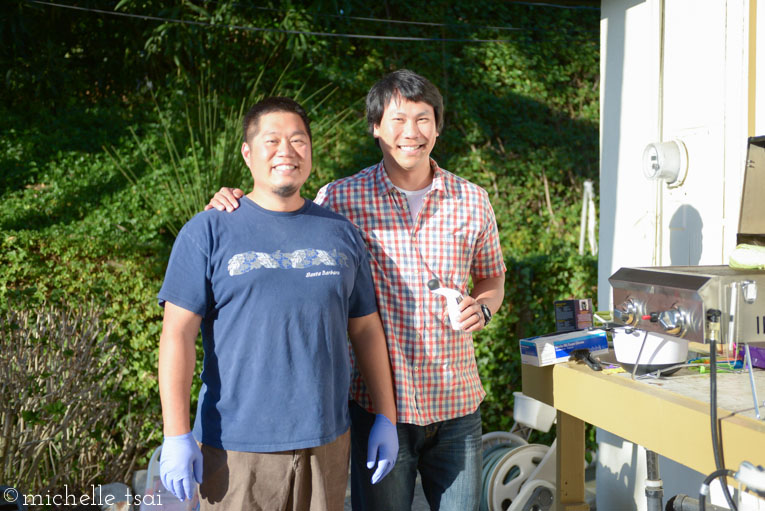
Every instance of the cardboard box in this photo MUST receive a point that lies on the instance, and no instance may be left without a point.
(550, 349)
(572, 315)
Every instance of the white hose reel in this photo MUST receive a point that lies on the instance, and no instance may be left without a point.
(518, 475)
(511, 474)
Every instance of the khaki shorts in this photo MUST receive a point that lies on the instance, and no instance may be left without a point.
(312, 479)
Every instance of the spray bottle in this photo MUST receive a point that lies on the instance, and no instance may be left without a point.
(453, 299)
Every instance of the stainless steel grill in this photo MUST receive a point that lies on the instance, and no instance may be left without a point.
(674, 300)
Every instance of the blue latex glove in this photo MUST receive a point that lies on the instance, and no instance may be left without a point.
(382, 447)
(179, 461)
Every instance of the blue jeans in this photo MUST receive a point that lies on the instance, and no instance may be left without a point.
(447, 454)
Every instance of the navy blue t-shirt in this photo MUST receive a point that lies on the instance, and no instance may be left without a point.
(275, 291)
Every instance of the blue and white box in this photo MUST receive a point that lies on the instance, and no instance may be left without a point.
(547, 349)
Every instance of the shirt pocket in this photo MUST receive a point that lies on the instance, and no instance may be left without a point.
(451, 256)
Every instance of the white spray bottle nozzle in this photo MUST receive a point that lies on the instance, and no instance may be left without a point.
(453, 299)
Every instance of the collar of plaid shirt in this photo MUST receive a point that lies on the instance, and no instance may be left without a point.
(383, 184)
(455, 235)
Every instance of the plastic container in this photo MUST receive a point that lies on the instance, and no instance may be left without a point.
(156, 498)
(758, 355)
(660, 351)
(532, 413)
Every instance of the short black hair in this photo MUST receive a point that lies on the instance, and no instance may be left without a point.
(410, 86)
(270, 105)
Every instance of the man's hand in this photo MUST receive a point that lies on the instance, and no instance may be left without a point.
(471, 316)
(382, 447)
(490, 291)
(225, 198)
(180, 460)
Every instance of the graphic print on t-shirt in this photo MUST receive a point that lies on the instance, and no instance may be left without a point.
(302, 258)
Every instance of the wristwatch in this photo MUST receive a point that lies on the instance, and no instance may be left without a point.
(486, 314)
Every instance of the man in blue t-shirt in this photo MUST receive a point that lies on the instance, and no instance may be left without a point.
(277, 288)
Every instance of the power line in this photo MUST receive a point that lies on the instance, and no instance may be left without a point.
(302, 32)
(558, 6)
(421, 23)
(461, 26)
(262, 29)
(376, 20)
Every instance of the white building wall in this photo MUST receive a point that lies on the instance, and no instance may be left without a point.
(759, 72)
(698, 96)
(688, 81)
(628, 110)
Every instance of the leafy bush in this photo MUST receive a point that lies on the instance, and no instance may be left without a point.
(64, 421)
(527, 310)
(202, 141)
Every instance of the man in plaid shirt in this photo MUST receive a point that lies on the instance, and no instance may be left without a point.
(420, 222)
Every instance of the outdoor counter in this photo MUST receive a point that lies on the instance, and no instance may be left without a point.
(669, 416)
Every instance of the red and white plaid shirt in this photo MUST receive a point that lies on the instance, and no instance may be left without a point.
(455, 237)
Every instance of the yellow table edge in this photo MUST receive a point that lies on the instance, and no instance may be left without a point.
(673, 425)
